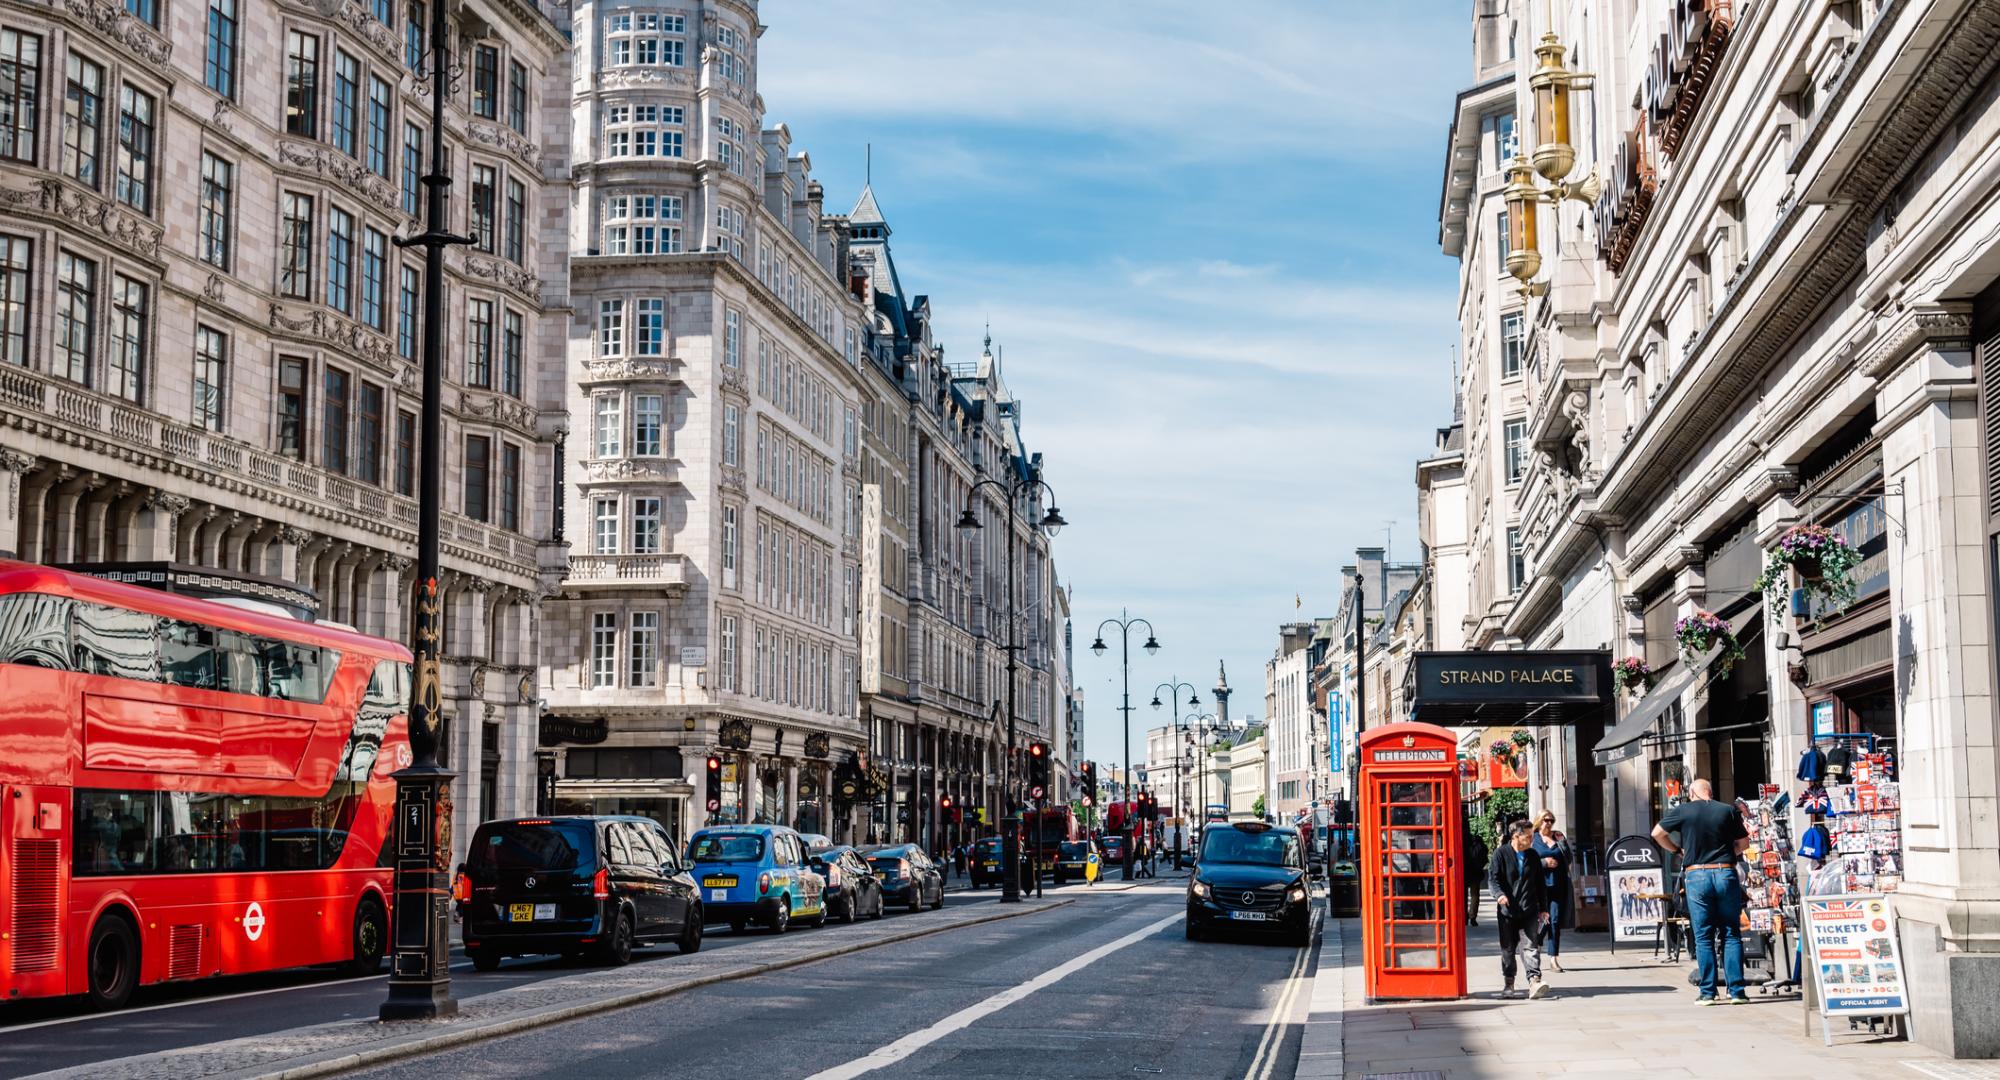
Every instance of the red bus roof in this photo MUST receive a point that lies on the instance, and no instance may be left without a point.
(22, 577)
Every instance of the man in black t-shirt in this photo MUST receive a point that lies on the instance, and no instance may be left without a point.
(1711, 836)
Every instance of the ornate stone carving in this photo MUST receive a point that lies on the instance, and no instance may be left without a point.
(15, 461)
(333, 330)
(611, 370)
(113, 21)
(734, 379)
(504, 139)
(627, 470)
(329, 164)
(212, 288)
(220, 117)
(56, 198)
(168, 503)
(294, 536)
(498, 408)
(1943, 326)
(733, 479)
(398, 564)
(502, 272)
(619, 78)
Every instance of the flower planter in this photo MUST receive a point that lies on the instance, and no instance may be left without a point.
(1813, 558)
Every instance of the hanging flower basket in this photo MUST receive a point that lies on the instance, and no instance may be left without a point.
(1696, 634)
(1522, 739)
(1824, 562)
(1631, 675)
(1502, 750)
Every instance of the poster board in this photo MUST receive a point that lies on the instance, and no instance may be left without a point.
(1856, 963)
(1637, 877)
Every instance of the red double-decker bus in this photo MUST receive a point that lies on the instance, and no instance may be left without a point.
(187, 789)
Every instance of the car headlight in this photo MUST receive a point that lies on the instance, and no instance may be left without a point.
(1200, 890)
(1297, 894)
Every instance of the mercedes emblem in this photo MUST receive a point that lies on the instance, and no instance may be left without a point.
(1249, 898)
(530, 883)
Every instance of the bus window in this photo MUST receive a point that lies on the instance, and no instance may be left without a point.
(34, 630)
(114, 832)
(188, 655)
(117, 642)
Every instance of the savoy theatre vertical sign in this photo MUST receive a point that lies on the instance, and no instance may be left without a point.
(1467, 689)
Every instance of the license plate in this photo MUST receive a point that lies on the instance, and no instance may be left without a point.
(712, 882)
(993, 866)
(1249, 916)
(718, 894)
(530, 912)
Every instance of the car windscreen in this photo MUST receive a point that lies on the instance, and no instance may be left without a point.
(1075, 851)
(728, 847)
(555, 845)
(886, 860)
(1265, 848)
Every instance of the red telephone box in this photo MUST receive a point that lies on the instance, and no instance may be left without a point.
(1413, 901)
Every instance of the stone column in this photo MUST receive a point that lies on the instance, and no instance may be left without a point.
(791, 815)
(290, 543)
(66, 509)
(389, 595)
(154, 527)
(14, 467)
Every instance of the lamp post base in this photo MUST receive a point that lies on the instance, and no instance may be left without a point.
(1010, 859)
(420, 953)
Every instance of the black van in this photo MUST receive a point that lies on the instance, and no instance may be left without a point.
(572, 885)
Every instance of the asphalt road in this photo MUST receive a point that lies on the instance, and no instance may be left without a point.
(1106, 987)
(43, 1035)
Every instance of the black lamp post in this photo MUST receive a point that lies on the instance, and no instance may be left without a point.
(1173, 689)
(420, 945)
(1010, 824)
(1124, 622)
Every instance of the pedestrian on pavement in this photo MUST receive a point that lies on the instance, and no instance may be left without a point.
(1712, 836)
(1520, 897)
(1475, 874)
(1556, 856)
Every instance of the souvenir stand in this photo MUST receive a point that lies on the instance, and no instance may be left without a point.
(1852, 847)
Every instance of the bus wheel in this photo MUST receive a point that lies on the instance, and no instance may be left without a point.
(371, 937)
(114, 962)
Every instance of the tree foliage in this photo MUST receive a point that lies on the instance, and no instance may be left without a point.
(1502, 806)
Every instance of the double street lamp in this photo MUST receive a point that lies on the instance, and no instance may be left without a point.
(420, 956)
(1015, 488)
(1173, 689)
(1125, 622)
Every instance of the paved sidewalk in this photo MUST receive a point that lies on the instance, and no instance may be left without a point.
(1623, 1015)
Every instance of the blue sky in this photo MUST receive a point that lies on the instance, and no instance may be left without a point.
(1206, 238)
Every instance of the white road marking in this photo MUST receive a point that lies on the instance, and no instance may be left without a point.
(1274, 1032)
(917, 1040)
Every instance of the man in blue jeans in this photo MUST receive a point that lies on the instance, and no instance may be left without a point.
(1711, 837)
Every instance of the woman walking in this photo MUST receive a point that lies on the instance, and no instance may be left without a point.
(1554, 851)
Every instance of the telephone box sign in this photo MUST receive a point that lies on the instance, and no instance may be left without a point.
(1434, 754)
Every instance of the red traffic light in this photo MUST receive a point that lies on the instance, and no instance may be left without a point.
(714, 763)
(945, 802)
(1038, 750)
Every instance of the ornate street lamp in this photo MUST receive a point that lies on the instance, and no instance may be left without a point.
(1125, 622)
(1051, 523)
(1554, 157)
(1173, 689)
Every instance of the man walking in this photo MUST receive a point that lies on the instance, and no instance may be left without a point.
(1712, 836)
(1521, 907)
(1475, 874)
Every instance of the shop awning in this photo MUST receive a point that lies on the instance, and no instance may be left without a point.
(1529, 687)
(1623, 740)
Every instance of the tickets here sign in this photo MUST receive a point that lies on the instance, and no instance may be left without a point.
(1856, 962)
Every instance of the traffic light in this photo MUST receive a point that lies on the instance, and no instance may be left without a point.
(946, 812)
(714, 783)
(1038, 770)
(1090, 783)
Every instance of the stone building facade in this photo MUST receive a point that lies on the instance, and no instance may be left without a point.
(716, 373)
(209, 341)
(1781, 310)
(934, 686)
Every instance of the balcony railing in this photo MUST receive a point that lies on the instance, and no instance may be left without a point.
(668, 570)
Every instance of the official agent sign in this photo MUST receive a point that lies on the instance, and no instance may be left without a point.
(1855, 960)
